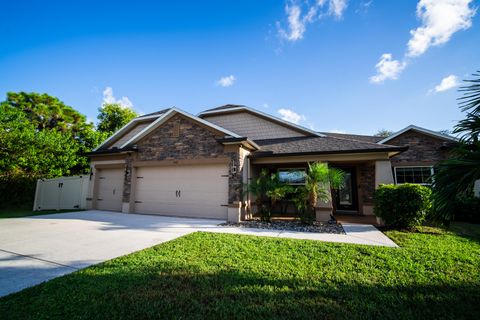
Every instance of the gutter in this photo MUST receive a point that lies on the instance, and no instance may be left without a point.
(267, 154)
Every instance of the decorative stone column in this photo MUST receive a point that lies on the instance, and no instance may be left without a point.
(234, 212)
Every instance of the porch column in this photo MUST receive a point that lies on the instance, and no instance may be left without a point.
(383, 172)
(323, 210)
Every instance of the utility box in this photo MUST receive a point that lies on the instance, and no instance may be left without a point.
(61, 193)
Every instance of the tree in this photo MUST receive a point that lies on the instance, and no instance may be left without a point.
(27, 154)
(47, 113)
(383, 133)
(320, 180)
(113, 116)
(456, 176)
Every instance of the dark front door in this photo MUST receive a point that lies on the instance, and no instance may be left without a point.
(346, 197)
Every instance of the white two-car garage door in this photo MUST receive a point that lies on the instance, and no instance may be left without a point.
(190, 191)
(110, 189)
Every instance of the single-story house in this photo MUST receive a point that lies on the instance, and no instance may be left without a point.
(174, 163)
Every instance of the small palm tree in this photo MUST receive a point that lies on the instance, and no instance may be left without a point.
(320, 181)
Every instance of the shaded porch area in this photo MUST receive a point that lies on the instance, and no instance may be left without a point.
(351, 204)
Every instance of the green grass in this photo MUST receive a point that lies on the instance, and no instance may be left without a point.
(24, 211)
(435, 274)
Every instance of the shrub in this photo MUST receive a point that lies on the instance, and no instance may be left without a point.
(402, 206)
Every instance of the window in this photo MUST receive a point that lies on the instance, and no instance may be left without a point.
(292, 176)
(419, 175)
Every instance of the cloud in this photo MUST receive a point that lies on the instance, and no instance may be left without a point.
(447, 83)
(291, 116)
(109, 98)
(337, 7)
(387, 68)
(297, 21)
(440, 20)
(227, 81)
(337, 131)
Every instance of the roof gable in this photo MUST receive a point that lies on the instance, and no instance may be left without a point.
(236, 109)
(169, 114)
(421, 130)
(125, 130)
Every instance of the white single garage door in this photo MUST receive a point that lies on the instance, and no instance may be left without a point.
(190, 191)
(110, 189)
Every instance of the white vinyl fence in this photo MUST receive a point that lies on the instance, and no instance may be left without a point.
(61, 193)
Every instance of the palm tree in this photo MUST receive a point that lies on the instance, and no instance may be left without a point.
(320, 181)
(457, 175)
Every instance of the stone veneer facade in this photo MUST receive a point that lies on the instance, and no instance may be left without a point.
(181, 138)
(422, 149)
(366, 183)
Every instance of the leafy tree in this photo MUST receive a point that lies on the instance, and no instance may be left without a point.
(27, 154)
(113, 116)
(383, 133)
(456, 176)
(47, 113)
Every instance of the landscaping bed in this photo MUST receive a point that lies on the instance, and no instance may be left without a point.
(294, 225)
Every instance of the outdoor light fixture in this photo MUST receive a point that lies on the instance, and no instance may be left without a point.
(233, 168)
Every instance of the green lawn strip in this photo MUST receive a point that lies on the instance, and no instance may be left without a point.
(204, 275)
(18, 212)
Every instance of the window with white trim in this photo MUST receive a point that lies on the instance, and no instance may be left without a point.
(418, 175)
(292, 176)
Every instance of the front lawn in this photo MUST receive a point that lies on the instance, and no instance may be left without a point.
(435, 274)
(24, 211)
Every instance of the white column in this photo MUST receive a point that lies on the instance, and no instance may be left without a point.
(383, 172)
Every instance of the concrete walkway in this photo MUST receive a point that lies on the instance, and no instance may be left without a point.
(39, 248)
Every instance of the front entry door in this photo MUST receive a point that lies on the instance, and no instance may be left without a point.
(346, 197)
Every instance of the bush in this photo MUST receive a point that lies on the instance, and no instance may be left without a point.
(402, 206)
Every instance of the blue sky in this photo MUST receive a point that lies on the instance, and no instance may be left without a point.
(333, 65)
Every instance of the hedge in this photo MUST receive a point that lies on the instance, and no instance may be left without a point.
(404, 205)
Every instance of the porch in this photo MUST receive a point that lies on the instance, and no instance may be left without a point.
(351, 204)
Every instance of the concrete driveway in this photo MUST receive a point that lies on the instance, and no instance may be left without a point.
(37, 249)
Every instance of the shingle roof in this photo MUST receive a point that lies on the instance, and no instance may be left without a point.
(317, 145)
(156, 113)
(224, 107)
(359, 137)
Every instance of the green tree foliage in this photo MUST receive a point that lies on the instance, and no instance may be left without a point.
(455, 177)
(113, 116)
(383, 133)
(40, 137)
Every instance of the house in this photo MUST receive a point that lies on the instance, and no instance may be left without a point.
(174, 163)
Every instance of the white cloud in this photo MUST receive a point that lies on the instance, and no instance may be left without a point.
(337, 7)
(109, 98)
(291, 116)
(440, 20)
(227, 81)
(337, 131)
(447, 83)
(297, 22)
(387, 68)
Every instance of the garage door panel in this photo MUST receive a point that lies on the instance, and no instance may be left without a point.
(203, 191)
(110, 189)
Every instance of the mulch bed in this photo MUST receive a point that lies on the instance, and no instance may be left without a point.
(317, 227)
